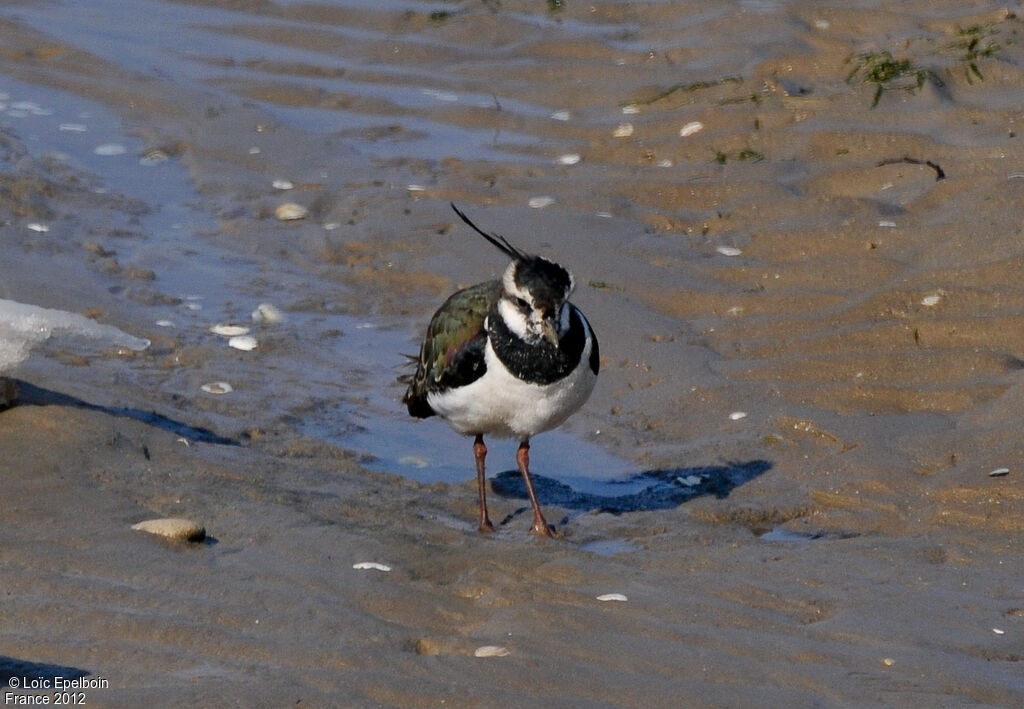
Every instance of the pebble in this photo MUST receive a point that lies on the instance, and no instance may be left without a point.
(36, 226)
(289, 211)
(217, 388)
(229, 330)
(999, 472)
(623, 130)
(931, 300)
(541, 202)
(243, 342)
(561, 115)
(690, 129)
(173, 528)
(283, 184)
(887, 224)
(568, 159)
(737, 415)
(728, 251)
(371, 565)
(491, 651)
(612, 597)
(630, 110)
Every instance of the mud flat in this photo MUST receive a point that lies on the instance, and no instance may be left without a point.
(795, 229)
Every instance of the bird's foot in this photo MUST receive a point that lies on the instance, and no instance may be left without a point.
(543, 529)
(486, 526)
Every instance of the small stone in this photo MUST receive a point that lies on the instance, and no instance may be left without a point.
(737, 415)
(623, 130)
(613, 597)
(690, 129)
(229, 330)
(173, 528)
(289, 211)
(268, 314)
(931, 300)
(728, 251)
(541, 202)
(217, 388)
(999, 472)
(283, 184)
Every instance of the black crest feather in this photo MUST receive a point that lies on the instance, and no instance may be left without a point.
(497, 239)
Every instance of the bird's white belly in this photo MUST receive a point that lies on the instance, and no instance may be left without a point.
(502, 405)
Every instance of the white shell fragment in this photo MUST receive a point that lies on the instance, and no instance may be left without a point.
(561, 115)
(541, 202)
(110, 149)
(173, 528)
(245, 343)
(690, 480)
(289, 211)
(998, 631)
(416, 188)
(737, 415)
(728, 251)
(370, 565)
(612, 597)
(36, 226)
(568, 159)
(154, 157)
(217, 388)
(267, 313)
(623, 130)
(491, 651)
(229, 330)
(691, 128)
(283, 184)
(999, 472)
(630, 110)
(887, 224)
(931, 300)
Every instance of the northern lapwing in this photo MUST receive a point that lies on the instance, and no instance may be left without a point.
(509, 358)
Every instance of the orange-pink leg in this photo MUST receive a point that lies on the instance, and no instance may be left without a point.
(480, 453)
(540, 525)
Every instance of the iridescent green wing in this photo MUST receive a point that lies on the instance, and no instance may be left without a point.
(453, 349)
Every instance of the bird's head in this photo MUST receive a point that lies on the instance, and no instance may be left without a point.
(535, 292)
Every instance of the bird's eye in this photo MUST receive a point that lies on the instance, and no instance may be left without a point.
(522, 304)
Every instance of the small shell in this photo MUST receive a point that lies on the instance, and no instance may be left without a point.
(931, 300)
(737, 415)
(243, 342)
(690, 129)
(110, 149)
(998, 631)
(173, 528)
(561, 115)
(630, 110)
(999, 472)
(290, 211)
(612, 597)
(541, 202)
(283, 184)
(267, 313)
(623, 130)
(73, 127)
(165, 323)
(36, 226)
(728, 251)
(690, 480)
(154, 157)
(491, 651)
(415, 188)
(887, 224)
(568, 159)
(365, 565)
(217, 388)
(229, 330)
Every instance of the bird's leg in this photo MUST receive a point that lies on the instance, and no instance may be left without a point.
(480, 453)
(540, 525)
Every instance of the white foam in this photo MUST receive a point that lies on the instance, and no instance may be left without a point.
(24, 326)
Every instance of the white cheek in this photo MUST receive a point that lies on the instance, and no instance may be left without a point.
(513, 318)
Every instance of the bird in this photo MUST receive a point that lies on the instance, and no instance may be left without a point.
(509, 358)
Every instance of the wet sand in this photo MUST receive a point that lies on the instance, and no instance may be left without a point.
(796, 258)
